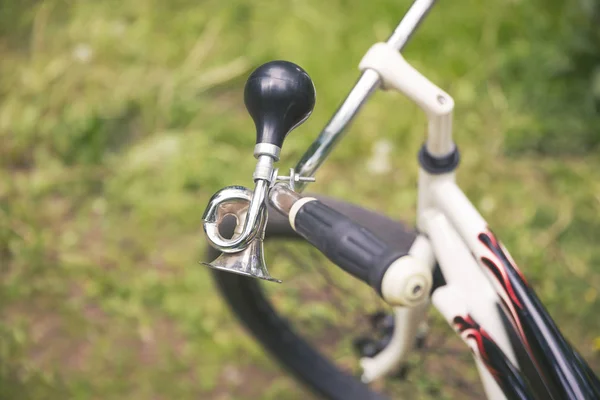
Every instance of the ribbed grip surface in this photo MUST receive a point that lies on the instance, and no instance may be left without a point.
(352, 247)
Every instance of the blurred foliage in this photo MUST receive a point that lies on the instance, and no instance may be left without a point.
(118, 120)
(584, 49)
(557, 63)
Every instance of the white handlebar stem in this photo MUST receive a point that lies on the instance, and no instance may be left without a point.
(396, 73)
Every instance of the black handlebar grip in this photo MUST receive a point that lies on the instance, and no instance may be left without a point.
(352, 247)
(279, 96)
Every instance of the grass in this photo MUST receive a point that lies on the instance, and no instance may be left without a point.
(120, 118)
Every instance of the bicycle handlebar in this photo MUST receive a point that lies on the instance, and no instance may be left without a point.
(349, 245)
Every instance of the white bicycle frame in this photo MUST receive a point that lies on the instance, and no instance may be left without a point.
(449, 226)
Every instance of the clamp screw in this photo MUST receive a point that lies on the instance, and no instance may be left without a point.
(293, 178)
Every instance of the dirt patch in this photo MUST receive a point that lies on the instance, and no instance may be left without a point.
(251, 382)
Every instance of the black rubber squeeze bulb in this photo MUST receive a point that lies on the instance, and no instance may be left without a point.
(279, 96)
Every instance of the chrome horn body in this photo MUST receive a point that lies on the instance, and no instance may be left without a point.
(248, 210)
(242, 254)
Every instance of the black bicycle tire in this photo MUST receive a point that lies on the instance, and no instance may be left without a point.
(251, 306)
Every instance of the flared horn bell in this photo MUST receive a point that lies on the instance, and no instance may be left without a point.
(249, 262)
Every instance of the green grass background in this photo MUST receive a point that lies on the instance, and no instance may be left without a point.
(118, 120)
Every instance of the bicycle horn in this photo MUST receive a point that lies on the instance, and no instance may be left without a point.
(279, 96)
